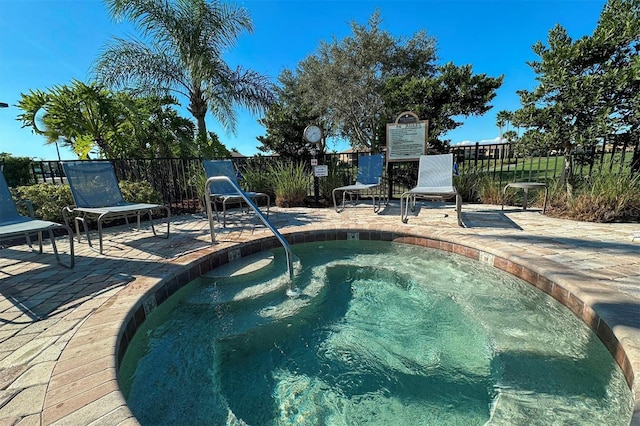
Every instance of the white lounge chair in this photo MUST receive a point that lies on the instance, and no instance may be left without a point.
(96, 193)
(223, 192)
(435, 180)
(368, 179)
(12, 224)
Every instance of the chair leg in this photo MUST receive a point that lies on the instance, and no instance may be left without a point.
(28, 238)
(55, 248)
(153, 229)
(79, 219)
(99, 234)
(215, 209)
(459, 210)
(224, 213)
(40, 242)
(168, 211)
(404, 207)
(335, 205)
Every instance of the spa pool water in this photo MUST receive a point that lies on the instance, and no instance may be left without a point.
(382, 334)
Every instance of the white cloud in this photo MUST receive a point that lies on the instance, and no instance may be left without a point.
(482, 142)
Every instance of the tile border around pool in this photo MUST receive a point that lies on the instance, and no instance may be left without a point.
(107, 333)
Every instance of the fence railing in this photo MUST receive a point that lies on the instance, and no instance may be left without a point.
(181, 181)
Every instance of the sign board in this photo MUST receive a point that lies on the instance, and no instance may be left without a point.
(321, 170)
(314, 161)
(407, 137)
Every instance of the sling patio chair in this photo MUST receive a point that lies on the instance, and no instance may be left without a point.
(96, 193)
(435, 181)
(13, 224)
(368, 181)
(223, 192)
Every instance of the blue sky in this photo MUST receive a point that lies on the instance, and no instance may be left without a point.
(44, 43)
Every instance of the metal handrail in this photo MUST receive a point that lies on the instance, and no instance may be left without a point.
(207, 194)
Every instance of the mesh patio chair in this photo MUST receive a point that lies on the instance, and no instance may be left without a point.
(435, 181)
(223, 192)
(368, 180)
(13, 224)
(95, 191)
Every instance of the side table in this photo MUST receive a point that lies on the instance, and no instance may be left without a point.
(526, 186)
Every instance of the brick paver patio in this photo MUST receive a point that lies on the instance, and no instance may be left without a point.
(60, 329)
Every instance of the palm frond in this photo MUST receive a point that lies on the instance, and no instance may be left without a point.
(133, 64)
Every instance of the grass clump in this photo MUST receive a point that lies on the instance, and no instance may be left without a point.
(256, 176)
(476, 185)
(290, 182)
(607, 197)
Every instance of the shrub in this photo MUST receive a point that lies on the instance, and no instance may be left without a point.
(197, 178)
(557, 203)
(490, 192)
(139, 192)
(337, 176)
(48, 200)
(290, 182)
(17, 170)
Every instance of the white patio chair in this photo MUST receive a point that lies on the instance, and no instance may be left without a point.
(435, 181)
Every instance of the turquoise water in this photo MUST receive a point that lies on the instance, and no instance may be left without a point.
(382, 334)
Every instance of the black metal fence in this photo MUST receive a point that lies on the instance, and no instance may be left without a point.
(181, 181)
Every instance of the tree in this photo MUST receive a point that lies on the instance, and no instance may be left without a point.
(88, 116)
(503, 118)
(286, 119)
(81, 116)
(187, 39)
(451, 92)
(589, 88)
(153, 128)
(362, 82)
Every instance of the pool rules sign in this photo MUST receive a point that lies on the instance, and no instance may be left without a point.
(407, 137)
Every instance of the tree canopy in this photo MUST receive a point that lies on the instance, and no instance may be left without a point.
(182, 54)
(588, 89)
(354, 86)
(286, 120)
(86, 117)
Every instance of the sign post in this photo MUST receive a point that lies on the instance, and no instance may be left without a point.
(406, 137)
(406, 141)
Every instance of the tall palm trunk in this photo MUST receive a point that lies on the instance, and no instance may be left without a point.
(198, 108)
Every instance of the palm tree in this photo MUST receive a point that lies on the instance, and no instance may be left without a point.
(503, 118)
(183, 56)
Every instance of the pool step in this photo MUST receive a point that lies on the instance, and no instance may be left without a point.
(242, 316)
(234, 281)
(242, 307)
(243, 266)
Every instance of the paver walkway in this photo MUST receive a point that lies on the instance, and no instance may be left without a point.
(59, 328)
